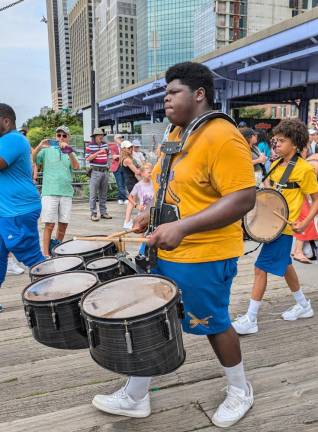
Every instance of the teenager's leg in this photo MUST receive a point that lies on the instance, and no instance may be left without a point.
(47, 235)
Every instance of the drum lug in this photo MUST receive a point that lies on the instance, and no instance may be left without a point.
(128, 339)
(28, 314)
(91, 335)
(167, 325)
(54, 317)
(180, 310)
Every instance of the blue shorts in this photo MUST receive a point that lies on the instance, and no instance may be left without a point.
(20, 235)
(275, 257)
(205, 289)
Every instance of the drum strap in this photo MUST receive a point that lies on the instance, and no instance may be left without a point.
(283, 182)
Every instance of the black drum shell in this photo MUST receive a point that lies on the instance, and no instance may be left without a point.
(153, 354)
(70, 332)
(34, 277)
(108, 250)
(111, 272)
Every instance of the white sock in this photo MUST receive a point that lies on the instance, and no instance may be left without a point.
(236, 377)
(253, 309)
(300, 298)
(137, 387)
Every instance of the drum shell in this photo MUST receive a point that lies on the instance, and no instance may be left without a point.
(69, 331)
(114, 271)
(34, 277)
(108, 250)
(153, 352)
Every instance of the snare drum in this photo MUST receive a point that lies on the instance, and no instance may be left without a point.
(261, 224)
(51, 306)
(56, 265)
(87, 249)
(109, 268)
(133, 325)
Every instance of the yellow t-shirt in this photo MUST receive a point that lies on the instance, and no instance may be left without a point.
(215, 161)
(304, 175)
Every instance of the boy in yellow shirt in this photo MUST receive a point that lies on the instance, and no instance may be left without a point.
(212, 183)
(292, 137)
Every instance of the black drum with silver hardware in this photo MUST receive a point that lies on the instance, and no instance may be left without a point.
(87, 249)
(109, 268)
(133, 325)
(52, 309)
(55, 265)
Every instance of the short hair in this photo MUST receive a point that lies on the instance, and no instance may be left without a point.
(193, 75)
(295, 130)
(7, 112)
(145, 166)
(248, 133)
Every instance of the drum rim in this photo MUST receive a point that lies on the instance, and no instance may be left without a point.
(129, 320)
(56, 258)
(103, 268)
(258, 239)
(60, 300)
(82, 253)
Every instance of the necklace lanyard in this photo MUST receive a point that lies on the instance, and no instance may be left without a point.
(286, 174)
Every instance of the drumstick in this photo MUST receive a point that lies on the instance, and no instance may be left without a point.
(96, 238)
(115, 239)
(121, 233)
(282, 217)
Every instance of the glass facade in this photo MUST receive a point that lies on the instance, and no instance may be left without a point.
(165, 33)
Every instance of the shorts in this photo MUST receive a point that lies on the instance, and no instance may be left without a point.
(56, 209)
(20, 236)
(205, 289)
(274, 257)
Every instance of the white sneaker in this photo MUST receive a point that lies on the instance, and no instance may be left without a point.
(126, 202)
(120, 202)
(298, 311)
(243, 325)
(128, 225)
(235, 406)
(121, 403)
(13, 268)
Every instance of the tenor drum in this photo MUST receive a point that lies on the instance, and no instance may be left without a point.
(133, 325)
(51, 306)
(87, 249)
(109, 268)
(261, 224)
(56, 265)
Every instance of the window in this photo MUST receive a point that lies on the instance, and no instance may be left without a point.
(273, 112)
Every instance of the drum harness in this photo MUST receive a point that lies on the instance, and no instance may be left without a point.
(283, 182)
(162, 212)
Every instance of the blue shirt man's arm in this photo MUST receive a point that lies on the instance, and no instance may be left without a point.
(3, 164)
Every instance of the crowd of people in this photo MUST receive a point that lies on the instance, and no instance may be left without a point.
(212, 182)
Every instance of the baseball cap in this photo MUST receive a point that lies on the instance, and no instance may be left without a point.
(126, 144)
(63, 128)
(120, 136)
(136, 143)
(98, 131)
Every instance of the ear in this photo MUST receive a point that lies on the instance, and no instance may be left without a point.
(200, 94)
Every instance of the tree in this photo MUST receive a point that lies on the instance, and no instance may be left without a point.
(252, 112)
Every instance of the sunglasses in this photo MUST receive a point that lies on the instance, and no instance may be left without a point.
(59, 135)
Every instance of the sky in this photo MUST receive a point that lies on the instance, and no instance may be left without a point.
(24, 58)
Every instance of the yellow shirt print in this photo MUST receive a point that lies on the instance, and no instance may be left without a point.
(215, 162)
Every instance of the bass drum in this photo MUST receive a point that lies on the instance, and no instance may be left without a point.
(261, 224)
(133, 325)
(51, 306)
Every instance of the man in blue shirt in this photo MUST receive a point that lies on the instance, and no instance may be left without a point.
(20, 204)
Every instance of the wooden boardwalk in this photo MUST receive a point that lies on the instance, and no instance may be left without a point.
(49, 390)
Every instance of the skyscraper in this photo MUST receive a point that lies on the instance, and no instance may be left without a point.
(115, 46)
(65, 61)
(54, 53)
(165, 34)
(81, 53)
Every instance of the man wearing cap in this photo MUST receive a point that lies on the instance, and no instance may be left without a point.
(57, 160)
(97, 154)
(117, 169)
(313, 141)
(138, 156)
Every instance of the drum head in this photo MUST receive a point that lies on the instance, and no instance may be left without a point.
(77, 247)
(101, 263)
(129, 297)
(60, 286)
(56, 265)
(261, 223)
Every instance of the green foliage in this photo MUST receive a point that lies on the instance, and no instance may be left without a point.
(255, 113)
(41, 127)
